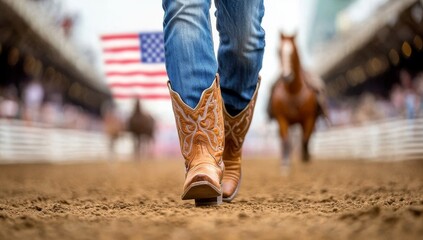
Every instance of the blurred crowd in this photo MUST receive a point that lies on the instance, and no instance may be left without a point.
(405, 101)
(34, 105)
(27, 94)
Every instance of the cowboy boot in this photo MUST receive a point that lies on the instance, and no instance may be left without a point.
(201, 137)
(236, 127)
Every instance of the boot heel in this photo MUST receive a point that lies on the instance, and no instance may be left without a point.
(208, 201)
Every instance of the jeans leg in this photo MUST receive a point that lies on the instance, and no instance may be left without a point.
(190, 60)
(241, 49)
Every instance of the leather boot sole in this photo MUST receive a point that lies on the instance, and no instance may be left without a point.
(204, 193)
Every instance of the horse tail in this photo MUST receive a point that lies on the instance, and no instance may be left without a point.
(317, 85)
(322, 109)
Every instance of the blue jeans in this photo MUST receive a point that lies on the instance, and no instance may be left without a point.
(190, 60)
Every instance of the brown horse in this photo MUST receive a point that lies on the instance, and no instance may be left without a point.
(142, 126)
(293, 99)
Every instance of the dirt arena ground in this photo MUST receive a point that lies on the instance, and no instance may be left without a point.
(323, 200)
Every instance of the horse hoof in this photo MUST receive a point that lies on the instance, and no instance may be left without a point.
(285, 171)
(306, 159)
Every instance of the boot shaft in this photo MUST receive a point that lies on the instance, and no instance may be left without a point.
(236, 128)
(200, 129)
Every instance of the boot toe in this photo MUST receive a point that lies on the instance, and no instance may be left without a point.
(229, 188)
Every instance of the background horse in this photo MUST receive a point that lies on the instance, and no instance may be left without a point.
(142, 126)
(294, 99)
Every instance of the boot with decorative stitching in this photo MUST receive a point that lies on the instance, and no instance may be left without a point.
(201, 137)
(236, 127)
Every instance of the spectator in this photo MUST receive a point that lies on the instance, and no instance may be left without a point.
(9, 103)
(33, 97)
(411, 99)
(398, 100)
(419, 91)
(367, 110)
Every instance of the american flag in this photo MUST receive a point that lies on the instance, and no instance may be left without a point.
(134, 65)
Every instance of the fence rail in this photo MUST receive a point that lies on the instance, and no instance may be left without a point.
(391, 140)
(20, 142)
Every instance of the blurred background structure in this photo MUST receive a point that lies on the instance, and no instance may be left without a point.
(370, 55)
(46, 85)
(60, 98)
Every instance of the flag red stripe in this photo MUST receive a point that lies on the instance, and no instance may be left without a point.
(142, 96)
(137, 84)
(137, 73)
(119, 37)
(127, 61)
(121, 49)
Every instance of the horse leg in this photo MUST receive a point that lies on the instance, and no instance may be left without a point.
(112, 143)
(286, 147)
(137, 146)
(308, 127)
(151, 146)
(142, 146)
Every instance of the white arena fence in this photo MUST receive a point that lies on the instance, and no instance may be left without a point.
(21, 142)
(388, 140)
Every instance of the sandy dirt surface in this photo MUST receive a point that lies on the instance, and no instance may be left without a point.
(323, 200)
